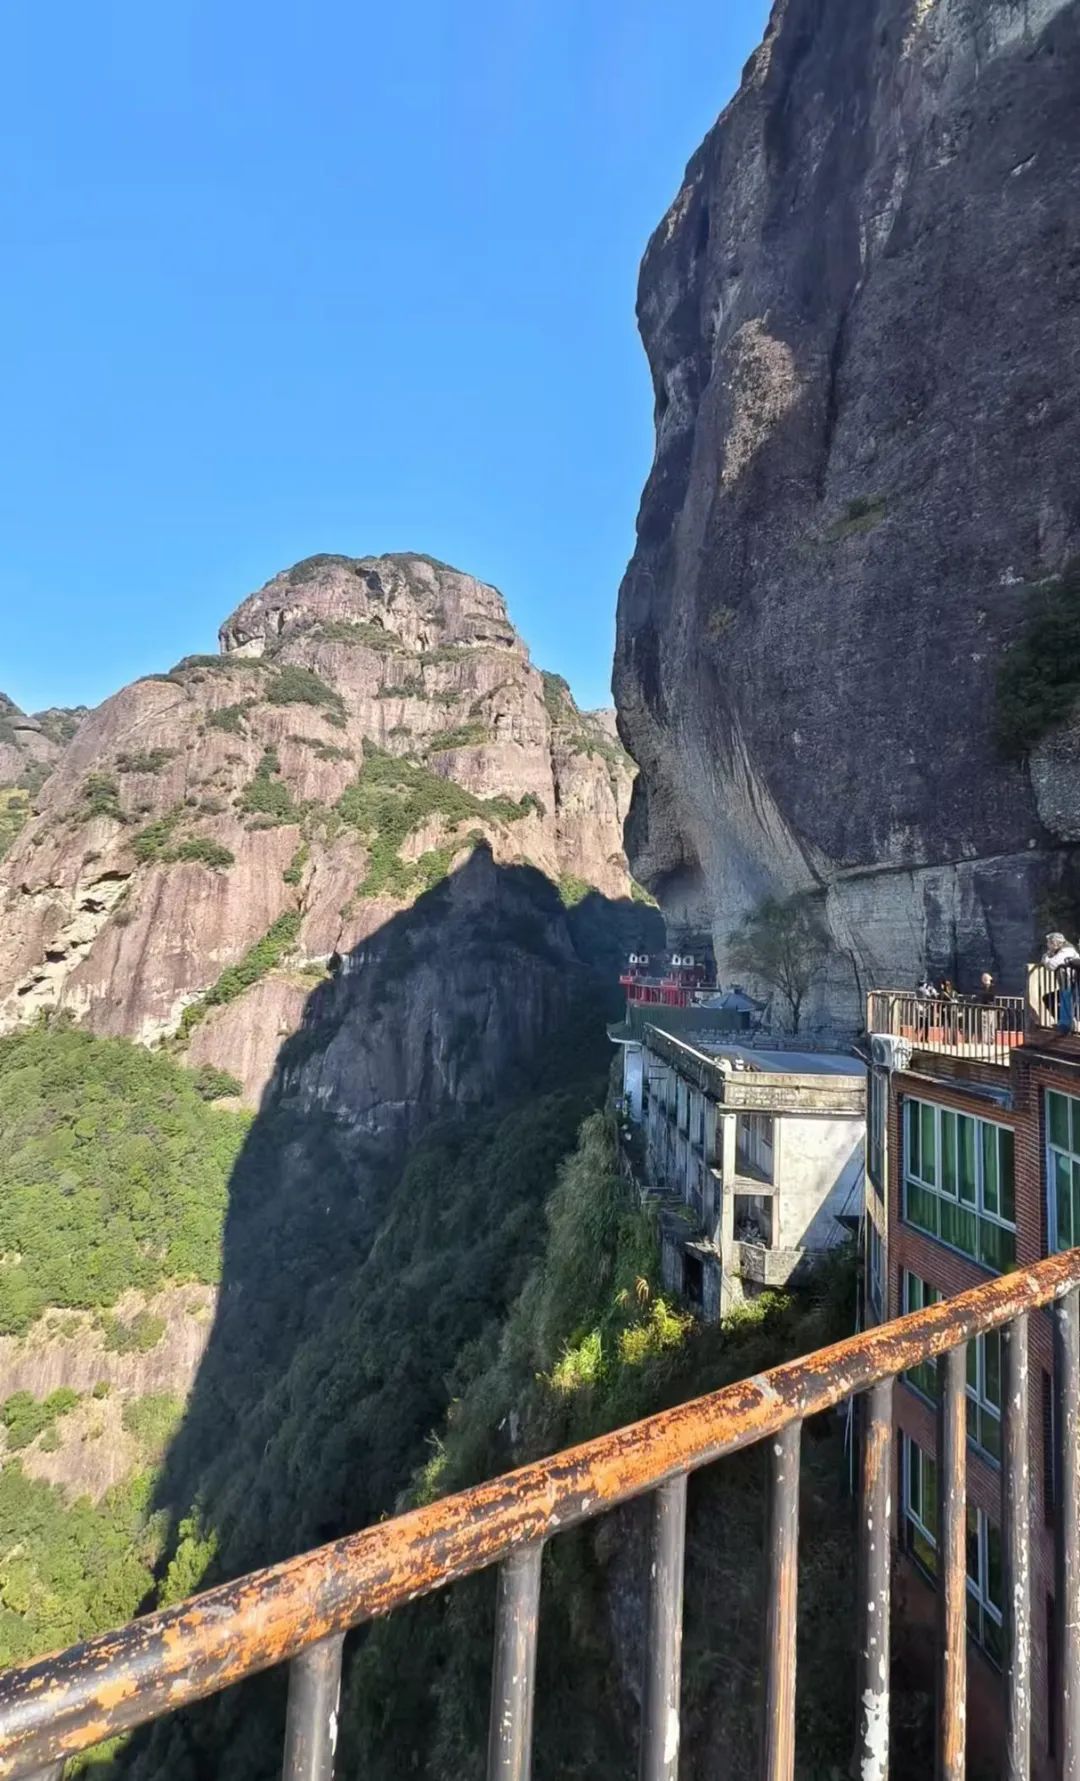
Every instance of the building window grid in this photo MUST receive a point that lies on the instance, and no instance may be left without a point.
(984, 1562)
(1062, 1169)
(958, 1182)
(876, 1269)
(983, 1374)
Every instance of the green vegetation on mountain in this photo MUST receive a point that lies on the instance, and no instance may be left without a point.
(69, 1570)
(14, 813)
(113, 1173)
(589, 1345)
(390, 799)
(266, 794)
(259, 959)
(1038, 685)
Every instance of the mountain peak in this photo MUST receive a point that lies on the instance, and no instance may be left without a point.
(420, 602)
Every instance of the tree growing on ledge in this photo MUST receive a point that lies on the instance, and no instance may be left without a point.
(786, 945)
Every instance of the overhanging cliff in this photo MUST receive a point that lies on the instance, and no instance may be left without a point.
(861, 318)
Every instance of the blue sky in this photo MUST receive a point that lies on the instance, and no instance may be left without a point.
(285, 279)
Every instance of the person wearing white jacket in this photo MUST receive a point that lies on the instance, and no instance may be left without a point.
(1060, 957)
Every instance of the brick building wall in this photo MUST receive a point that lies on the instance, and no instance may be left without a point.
(954, 1083)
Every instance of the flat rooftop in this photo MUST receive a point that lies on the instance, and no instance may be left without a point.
(790, 1063)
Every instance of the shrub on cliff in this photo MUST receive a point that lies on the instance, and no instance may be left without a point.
(1039, 680)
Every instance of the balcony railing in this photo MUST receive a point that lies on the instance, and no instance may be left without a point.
(986, 1031)
(298, 1612)
(1053, 1000)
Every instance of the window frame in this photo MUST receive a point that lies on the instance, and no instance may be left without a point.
(978, 1589)
(755, 1133)
(923, 1118)
(1052, 1151)
(875, 1268)
(923, 1378)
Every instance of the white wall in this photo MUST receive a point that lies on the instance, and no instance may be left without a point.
(819, 1174)
(633, 1075)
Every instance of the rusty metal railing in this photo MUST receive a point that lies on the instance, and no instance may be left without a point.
(968, 1028)
(299, 1611)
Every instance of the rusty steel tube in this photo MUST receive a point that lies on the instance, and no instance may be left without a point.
(1016, 1551)
(311, 1719)
(58, 1705)
(513, 1679)
(781, 1603)
(662, 1681)
(952, 1565)
(875, 1571)
(1067, 1531)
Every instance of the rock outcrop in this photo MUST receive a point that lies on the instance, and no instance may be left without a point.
(214, 837)
(861, 319)
(29, 749)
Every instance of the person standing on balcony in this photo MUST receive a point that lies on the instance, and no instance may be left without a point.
(986, 999)
(1060, 960)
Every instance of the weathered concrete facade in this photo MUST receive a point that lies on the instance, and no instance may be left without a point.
(752, 1157)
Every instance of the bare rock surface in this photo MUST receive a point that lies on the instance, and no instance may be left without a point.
(194, 810)
(861, 318)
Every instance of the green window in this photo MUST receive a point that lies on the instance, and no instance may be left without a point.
(983, 1374)
(958, 1182)
(1063, 1169)
(920, 1505)
(984, 1572)
(984, 1583)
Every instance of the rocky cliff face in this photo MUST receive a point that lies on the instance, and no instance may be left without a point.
(860, 315)
(213, 835)
(29, 749)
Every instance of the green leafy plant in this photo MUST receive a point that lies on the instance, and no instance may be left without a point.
(101, 797)
(113, 1172)
(1039, 679)
(257, 961)
(230, 717)
(573, 890)
(214, 1085)
(24, 1417)
(294, 871)
(463, 736)
(860, 515)
(786, 945)
(293, 685)
(268, 796)
(151, 760)
(137, 1337)
(390, 799)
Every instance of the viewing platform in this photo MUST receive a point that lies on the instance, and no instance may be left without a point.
(988, 1032)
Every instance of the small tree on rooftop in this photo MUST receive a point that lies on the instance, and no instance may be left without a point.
(784, 944)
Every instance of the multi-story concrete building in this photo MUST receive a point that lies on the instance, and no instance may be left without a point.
(973, 1168)
(752, 1154)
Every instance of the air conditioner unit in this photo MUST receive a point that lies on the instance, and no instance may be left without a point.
(887, 1052)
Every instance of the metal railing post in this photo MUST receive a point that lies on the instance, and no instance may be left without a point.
(1016, 1551)
(517, 1617)
(875, 1559)
(1067, 1546)
(311, 1718)
(952, 1562)
(781, 1604)
(662, 1682)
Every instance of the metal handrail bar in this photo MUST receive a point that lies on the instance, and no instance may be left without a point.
(59, 1705)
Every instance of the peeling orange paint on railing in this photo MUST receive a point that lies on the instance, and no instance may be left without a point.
(68, 1702)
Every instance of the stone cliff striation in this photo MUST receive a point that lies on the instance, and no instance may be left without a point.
(213, 838)
(861, 318)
